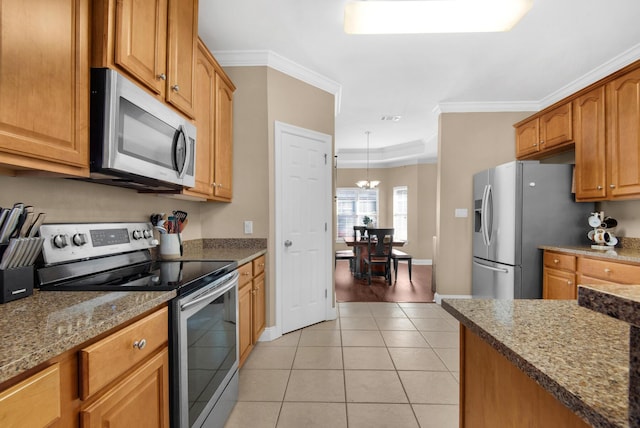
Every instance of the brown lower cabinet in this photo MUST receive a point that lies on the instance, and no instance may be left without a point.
(495, 393)
(563, 272)
(251, 305)
(114, 380)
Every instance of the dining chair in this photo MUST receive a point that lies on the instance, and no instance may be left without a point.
(379, 245)
(359, 232)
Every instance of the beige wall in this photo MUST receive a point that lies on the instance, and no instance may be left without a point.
(263, 96)
(628, 215)
(468, 143)
(421, 185)
(67, 200)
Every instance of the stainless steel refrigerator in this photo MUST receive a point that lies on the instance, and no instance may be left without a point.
(519, 206)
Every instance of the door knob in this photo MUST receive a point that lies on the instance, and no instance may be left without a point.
(288, 243)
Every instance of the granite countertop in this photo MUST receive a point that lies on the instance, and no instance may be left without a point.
(48, 323)
(620, 254)
(580, 356)
(239, 250)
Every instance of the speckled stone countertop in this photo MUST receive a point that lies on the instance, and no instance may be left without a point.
(620, 254)
(580, 356)
(48, 323)
(240, 250)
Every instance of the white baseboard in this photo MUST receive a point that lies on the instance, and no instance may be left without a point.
(419, 261)
(438, 297)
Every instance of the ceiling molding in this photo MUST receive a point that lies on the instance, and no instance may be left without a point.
(627, 57)
(266, 58)
(403, 154)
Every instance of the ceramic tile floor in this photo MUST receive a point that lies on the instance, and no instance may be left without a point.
(378, 365)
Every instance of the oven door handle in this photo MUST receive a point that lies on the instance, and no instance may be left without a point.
(228, 284)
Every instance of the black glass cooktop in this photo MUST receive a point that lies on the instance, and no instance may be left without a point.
(182, 276)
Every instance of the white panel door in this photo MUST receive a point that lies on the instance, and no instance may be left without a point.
(303, 225)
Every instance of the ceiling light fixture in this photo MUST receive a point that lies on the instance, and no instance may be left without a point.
(433, 16)
(367, 184)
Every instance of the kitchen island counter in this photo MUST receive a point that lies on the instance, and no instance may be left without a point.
(47, 324)
(579, 356)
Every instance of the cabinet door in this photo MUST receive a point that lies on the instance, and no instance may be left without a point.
(555, 127)
(244, 322)
(44, 84)
(204, 110)
(223, 157)
(181, 47)
(623, 112)
(258, 309)
(140, 41)
(141, 400)
(527, 138)
(590, 138)
(558, 284)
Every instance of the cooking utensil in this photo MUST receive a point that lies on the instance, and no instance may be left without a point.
(9, 252)
(21, 220)
(35, 227)
(26, 224)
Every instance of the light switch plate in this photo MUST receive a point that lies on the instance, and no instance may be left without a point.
(461, 213)
(248, 227)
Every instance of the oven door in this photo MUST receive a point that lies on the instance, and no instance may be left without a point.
(206, 352)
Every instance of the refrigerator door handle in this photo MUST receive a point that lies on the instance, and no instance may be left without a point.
(483, 213)
(502, 270)
(489, 212)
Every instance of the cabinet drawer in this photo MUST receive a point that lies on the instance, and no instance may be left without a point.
(106, 360)
(34, 402)
(559, 261)
(611, 271)
(258, 265)
(246, 273)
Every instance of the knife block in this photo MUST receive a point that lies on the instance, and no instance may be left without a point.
(15, 283)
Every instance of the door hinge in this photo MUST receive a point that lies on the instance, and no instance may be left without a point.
(326, 293)
(325, 158)
(325, 226)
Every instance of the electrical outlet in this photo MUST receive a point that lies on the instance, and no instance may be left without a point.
(248, 227)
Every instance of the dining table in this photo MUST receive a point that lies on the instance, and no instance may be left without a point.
(361, 251)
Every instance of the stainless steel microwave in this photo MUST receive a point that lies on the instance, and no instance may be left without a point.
(136, 140)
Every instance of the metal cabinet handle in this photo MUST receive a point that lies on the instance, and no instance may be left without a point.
(613, 186)
(535, 144)
(541, 142)
(162, 76)
(288, 243)
(607, 270)
(599, 187)
(176, 88)
(569, 282)
(556, 261)
(140, 344)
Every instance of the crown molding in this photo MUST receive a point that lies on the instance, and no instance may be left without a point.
(627, 57)
(404, 154)
(267, 58)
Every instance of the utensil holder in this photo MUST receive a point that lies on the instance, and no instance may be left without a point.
(169, 246)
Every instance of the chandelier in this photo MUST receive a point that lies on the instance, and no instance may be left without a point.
(367, 184)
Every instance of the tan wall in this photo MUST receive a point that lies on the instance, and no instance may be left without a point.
(628, 215)
(421, 183)
(468, 143)
(250, 166)
(67, 200)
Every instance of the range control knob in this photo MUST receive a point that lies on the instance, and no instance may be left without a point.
(137, 235)
(79, 239)
(147, 234)
(60, 241)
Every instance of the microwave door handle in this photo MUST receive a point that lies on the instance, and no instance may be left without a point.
(181, 168)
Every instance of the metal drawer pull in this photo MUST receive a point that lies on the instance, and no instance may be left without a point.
(569, 282)
(607, 270)
(556, 261)
(140, 344)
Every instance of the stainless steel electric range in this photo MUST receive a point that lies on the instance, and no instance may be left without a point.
(203, 333)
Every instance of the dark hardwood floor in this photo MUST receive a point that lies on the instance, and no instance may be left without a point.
(350, 289)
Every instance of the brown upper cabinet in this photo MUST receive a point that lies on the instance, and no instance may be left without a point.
(214, 119)
(607, 127)
(152, 41)
(546, 134)
(44, 76)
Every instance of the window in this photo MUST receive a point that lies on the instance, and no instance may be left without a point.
(353, 204)
(400, 213)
